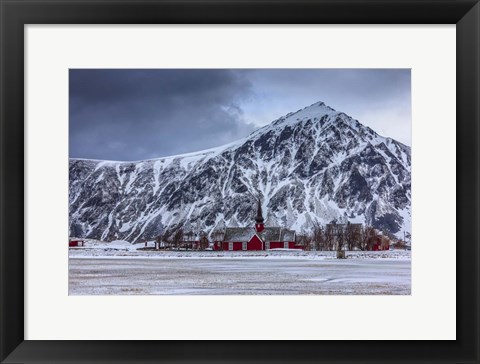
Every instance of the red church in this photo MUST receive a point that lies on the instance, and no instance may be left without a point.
(257, 238)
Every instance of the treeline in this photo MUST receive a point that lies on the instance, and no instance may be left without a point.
(180, 240)
(342, 237)
(320, 237)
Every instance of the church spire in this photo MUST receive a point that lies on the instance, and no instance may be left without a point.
(259, 219)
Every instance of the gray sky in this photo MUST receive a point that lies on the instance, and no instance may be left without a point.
(140, 114)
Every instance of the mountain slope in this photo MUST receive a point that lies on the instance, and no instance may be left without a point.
(316, 164)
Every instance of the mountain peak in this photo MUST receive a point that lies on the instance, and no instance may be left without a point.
(316, 110)
(321, 104)
(313, 165)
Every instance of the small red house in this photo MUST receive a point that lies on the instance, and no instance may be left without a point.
(381, 244)
(75, 243)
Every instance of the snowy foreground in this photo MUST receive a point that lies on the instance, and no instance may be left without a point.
(122, 270)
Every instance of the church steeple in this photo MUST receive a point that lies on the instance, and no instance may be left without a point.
(259, 219)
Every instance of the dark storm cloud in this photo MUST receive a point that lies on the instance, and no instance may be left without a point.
(139, 114)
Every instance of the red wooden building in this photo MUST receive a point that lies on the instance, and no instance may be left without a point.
(75, 242)
(381, 243)
(256, 238)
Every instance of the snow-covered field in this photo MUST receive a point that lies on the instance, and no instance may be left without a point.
(120, 269)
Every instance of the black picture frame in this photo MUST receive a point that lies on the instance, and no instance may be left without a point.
(16, 13)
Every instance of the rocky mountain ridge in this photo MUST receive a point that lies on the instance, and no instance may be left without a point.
(316, 164)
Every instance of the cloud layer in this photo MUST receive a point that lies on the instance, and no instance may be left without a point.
(140, 114)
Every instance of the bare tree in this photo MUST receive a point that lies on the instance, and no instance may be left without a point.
(364, 238)
(188, 239)
(163, 239)
(352, 235)
(304, 239)
(368, 238)
(168, 238)
(177, 239)
(340, 239)
(374, 238)
(385, 242)
(329, 237)
(318, 237)
(203, 243)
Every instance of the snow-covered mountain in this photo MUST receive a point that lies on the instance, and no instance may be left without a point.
(316, 164)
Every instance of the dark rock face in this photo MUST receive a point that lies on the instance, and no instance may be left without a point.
(312, 165)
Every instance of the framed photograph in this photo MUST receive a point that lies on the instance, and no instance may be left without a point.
(247, 181)
(231, 204)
